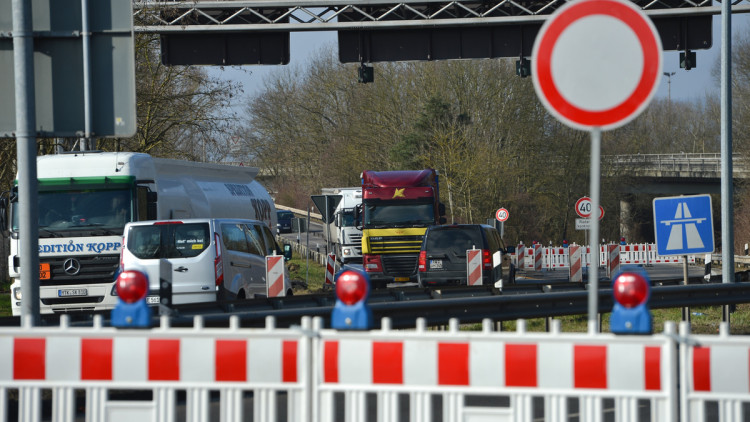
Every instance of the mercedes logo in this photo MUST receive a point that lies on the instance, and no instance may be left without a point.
(71, 266)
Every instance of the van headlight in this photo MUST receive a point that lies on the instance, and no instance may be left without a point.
(17, 293)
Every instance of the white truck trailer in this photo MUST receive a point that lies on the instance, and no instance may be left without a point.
(346, 238)
(85, 199)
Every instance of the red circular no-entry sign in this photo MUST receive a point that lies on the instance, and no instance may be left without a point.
(597, 63)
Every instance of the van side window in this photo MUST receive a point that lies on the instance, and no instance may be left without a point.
(271, 244)
(254, 240)
(234, 237)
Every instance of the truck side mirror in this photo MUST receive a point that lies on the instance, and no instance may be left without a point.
(358, 217)
(287, 252)
(441, 210)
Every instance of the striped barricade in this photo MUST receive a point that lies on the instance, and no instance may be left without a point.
(520, 255)
(613, 260)
(474, 267)
(330, 270)
(714, 369)
(576, 263)
(165, 360)
(275, 276)
(538, 257)
(455, 364)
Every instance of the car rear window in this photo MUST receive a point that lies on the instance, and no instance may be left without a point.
(458, 238)
(168, 240)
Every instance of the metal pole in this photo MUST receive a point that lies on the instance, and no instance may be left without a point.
(307, 246)
(727, 209)
(685, 309)
(28, 218)
(328, 226)
(86, 40)
(596, 152)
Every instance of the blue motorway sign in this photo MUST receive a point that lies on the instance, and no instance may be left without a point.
(683, 225)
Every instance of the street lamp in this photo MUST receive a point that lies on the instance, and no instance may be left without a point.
(669, 85)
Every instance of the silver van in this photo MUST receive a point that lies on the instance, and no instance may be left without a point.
(211, 258)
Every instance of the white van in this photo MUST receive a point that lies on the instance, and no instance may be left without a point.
(211, 258)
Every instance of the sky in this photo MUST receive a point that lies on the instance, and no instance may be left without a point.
(685, 85)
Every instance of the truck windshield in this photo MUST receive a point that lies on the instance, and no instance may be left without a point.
(86, 210)
(347, 218)
(400, 214)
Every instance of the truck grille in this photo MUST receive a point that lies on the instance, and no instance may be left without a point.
(400, 266)
(396, 244)
(94, 269)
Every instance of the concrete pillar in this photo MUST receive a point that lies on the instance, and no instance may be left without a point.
(626, 219)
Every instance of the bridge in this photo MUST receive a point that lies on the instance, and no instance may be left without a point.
(673, 173)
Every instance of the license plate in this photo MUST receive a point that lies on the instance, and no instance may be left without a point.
(152, 300)
(72, 292)
(399, 279)
(436, 264)
(44, 273)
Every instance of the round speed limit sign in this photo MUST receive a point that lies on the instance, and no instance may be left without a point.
(502, 214)
(583, 208)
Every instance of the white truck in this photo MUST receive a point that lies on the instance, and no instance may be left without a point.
(346, 238)
(85, 199)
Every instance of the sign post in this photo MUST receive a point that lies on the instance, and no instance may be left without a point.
(596, 83)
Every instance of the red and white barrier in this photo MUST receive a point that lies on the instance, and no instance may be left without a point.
(714, 369)
(576, 264)
(474, 267)
(556, 257)
(538, 257)
(613, 261)
(520, 253)
(554, 367)
(330, 270)
(369, 374)
(275, 276)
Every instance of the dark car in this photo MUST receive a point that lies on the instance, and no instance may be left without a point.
(284, 221)
(442, 259)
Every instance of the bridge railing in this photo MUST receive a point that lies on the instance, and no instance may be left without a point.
(676, 163)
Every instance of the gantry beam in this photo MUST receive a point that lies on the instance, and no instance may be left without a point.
(287, 15)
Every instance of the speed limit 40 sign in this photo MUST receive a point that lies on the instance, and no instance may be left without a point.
(583, 208)
(502, 214)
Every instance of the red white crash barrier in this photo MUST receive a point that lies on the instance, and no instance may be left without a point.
(322, 371)
(613, 260)
(557, 257)
(166, 359)
(715, 369)
(330, 269)
(538, 257)
(576, 264)
(275, 276)
(474, 267)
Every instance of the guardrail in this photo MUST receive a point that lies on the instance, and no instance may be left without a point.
(437, 306)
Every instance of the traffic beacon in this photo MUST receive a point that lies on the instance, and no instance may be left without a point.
(131, 310)
(630, 314)
(351, 311)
